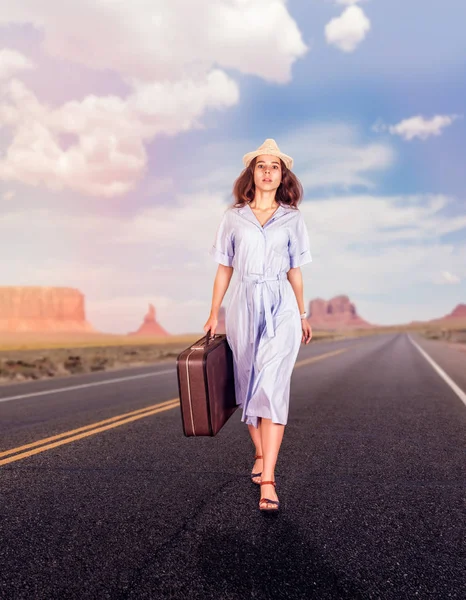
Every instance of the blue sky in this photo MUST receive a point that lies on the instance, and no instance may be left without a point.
(143, 139)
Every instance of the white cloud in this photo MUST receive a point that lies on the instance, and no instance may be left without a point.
(369, 244)
(11, 62)
(171, 231)
(87, 277)
(159, 256)
(172, 55)
(13, 222)
(447, 278)
(366, 224)
(349, 2)
(417, 126)
(348, 30)
(178, 229)
(155, 40)
(374, 222)
(160, 185)
(8, 195)
(361, 244)
(332, 156)
(107, 154)
(328, 156)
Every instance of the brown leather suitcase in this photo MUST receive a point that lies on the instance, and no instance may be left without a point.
(206, 385)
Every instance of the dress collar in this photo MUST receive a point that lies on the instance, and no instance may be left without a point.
(247, 212)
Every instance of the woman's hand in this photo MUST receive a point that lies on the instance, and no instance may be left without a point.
(211, 324)
(307, 331)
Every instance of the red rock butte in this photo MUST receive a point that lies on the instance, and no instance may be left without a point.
(150, 325)
(458, 312)
(457, 317)
(42, 309)
(336, 313)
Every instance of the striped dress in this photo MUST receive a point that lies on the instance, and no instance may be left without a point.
(262, 321)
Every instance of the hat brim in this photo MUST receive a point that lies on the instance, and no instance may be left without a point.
(247, 158)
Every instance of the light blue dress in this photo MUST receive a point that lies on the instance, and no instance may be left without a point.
(262, 320)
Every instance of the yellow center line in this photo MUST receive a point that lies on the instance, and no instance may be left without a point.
(320, 357)
(94, 428)
(5, 461)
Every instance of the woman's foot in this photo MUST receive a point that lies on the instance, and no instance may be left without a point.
(268, 493)
(257, 468)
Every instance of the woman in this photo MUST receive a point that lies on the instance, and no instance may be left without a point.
(263, 237)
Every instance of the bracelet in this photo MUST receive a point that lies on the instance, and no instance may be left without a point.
(303, 316)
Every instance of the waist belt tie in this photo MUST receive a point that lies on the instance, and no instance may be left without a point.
(254, 305)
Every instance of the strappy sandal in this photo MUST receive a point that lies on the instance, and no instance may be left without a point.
(277, 502)
(256, 474)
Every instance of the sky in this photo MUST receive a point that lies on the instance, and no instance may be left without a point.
(123, 126)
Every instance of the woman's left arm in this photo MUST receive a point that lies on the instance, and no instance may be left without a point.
(295, 277)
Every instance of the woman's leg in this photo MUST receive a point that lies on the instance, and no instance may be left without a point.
(271, 436)
(257, 441)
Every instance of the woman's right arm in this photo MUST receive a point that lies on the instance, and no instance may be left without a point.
(221, 283)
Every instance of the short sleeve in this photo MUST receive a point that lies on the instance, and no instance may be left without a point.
(298, 245)
(223, 248)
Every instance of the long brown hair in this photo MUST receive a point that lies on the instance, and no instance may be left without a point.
(289, 192)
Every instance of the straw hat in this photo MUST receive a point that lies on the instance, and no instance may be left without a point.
(268, 147)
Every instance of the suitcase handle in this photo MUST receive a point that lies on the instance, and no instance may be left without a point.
(206, 341)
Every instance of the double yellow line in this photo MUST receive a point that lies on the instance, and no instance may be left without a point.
(66, 437)
(76, 434)
(313, 359)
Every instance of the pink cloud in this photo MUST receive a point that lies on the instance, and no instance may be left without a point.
(108, 155)
(171, 56)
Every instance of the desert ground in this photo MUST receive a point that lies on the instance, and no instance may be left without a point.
(26, 356)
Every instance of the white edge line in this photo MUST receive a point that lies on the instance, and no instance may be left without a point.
(441, 372)
(84, 385)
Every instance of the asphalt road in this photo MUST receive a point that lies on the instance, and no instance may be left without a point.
(371, 479)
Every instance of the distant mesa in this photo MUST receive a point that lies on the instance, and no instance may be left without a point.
(336, 313)
(42, 309)
(457, 313)
(150, 325)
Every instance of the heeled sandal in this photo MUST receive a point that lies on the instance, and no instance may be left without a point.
(277, 502)
(256, 474)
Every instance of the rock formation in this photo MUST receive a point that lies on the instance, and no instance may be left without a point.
(42, 309)
(336, 313)
(150, 325)
(456, 317)
(458, 313)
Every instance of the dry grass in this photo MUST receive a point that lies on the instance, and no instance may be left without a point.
(45, 341)
(26, 356)
(30, 341)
